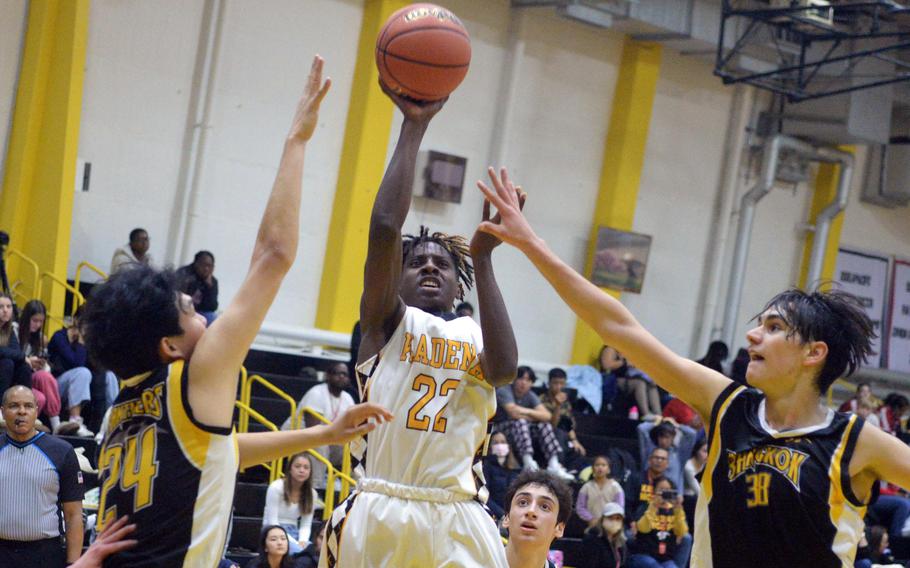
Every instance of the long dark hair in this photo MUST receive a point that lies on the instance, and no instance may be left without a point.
(26, 337)
(6, 329)
(306, 489)
(262, 561)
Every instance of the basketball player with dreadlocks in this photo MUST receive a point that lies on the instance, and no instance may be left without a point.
(788, 479)
(416, 504)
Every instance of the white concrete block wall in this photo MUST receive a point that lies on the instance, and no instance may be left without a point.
(138, 81)
(12, 27)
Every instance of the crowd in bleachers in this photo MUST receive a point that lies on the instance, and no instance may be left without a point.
(633, 453)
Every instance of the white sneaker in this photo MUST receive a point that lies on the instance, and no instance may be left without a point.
(529, 463)
(559, 471)
(83, 432)
(67, 428)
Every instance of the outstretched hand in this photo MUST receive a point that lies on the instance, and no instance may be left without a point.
(110, 541)
(307, 113)
(509, 225)
(483, 242)
(414, 110)
(356, 421)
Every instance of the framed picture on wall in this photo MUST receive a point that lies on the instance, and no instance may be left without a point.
(620, 259)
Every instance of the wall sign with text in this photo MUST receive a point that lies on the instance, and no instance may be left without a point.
(899, 332)
(866, 276)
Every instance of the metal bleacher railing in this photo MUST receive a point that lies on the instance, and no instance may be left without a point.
(20, 297)
(275, 468)
(77, 279)
(78, 298)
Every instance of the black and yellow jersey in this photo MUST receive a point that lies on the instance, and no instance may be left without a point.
(172, 475)
(774, 498)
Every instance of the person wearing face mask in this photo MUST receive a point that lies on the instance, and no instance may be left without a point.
(500, 468)
(604, 543)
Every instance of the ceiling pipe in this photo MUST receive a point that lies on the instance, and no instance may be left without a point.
(826, 217)
(770, 159)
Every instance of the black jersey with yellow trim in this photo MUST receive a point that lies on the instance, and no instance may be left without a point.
(171, 474)
(776, 498)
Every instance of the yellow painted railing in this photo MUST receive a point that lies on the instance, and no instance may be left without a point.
(90, 266)
(274, 467)
(246, 410)
(243, 419)
(277, 391)
(345, 459)
(842, 383)
(35, 281)
(78, 299)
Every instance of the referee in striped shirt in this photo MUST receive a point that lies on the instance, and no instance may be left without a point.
(39, 475)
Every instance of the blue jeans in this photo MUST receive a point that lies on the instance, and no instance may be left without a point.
(680, 557)
(293, 546)
(645, 561)
(892, 511)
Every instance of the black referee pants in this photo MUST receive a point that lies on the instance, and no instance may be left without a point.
(32, 554)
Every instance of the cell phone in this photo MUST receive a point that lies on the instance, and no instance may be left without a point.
(668, 495)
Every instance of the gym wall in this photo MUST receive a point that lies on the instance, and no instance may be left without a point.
(138, 85)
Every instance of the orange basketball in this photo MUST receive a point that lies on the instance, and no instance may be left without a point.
(423, 51)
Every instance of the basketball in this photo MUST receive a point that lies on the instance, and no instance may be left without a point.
(423, 52)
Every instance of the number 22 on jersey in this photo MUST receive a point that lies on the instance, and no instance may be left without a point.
(417, 419)
(132, 465)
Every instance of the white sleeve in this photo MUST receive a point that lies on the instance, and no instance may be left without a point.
(272, 503)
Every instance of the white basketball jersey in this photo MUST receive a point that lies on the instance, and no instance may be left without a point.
(428, 375)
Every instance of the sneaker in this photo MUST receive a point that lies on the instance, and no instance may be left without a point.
(83, 432)
(559, 471)
(67, 428)
(529, 463)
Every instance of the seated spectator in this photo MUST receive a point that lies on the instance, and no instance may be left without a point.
(527, 419)
(11, 357)
(464, 309)
(135, 253)
(715, 357)
(646, 394)
(604, 542)
(36, 368)
(874, 551)
(557, 402)
(679, 441)
(197, 281)
(657, 465)
(694, 466)
(291, 501)
(273, 549)
(662, 534)
(863, 390)
(891, 412)
(331, 401)
(739, 366)
(865, 409)
(682, 413)
(69, 361)
(598, 492)
(500, 468)
(540, 500)
(309, 558)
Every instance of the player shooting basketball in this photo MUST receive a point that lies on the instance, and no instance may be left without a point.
(787, 480)
(416, 504)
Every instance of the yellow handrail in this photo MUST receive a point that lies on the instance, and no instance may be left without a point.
(243, 419)
(36, 282)
(78, 299)
(274, 467)
(90, 266)
(842, 383)
(330, 484)
(277, 391)
(345, 459)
